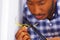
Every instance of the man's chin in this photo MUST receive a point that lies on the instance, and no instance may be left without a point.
(40, 18)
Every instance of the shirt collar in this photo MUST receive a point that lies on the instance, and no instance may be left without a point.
(32, 19)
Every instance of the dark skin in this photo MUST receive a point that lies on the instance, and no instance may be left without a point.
(41, 9)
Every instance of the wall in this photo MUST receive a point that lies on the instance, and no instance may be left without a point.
(15, 15)
(11, 14)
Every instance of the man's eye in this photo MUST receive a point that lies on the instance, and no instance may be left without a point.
(29, 3)
(41, 3)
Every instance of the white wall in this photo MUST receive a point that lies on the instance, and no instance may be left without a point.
(0, 16)
(15, 14)
(4, 19)
(11, 14)
(13, 18)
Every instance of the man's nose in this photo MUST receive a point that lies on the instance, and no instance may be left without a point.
(37, 10)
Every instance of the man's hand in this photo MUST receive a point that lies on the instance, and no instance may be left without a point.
(54, 38)
(22, 34)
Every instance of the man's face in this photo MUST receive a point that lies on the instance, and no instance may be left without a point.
(41, 9)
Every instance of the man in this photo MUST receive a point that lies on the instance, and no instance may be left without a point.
(44, 14)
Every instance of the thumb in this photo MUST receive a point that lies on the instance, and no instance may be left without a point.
(24, 28)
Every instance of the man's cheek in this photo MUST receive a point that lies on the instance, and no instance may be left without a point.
(32, 10)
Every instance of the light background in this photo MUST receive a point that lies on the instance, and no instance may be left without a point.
(10, 12)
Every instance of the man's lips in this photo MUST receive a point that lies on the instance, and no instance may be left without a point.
(39, 16)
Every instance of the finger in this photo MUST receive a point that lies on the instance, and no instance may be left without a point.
(26, 37)
(19, 38)
(22, 34)
(23, 29)
(29, 39)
